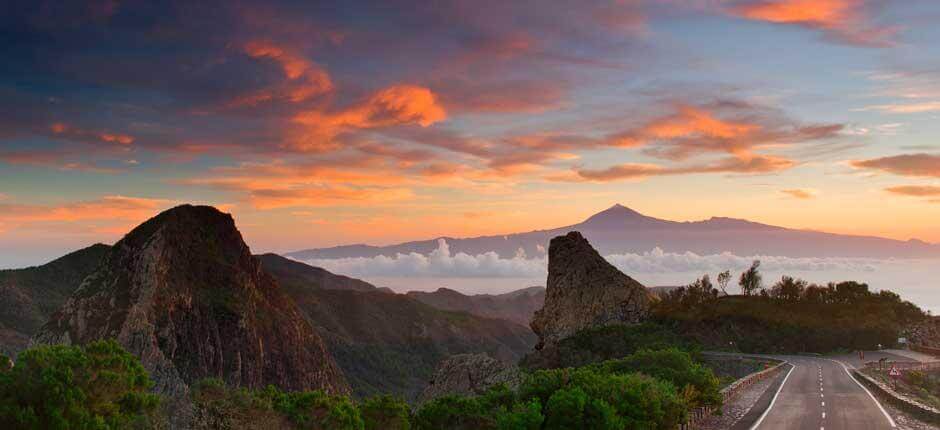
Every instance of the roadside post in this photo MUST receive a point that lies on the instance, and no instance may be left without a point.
(894, 373)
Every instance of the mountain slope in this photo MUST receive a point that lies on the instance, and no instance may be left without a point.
(391, 343)
(28, 296)
(288, 271)
(516, 306)
(183, 292)
(620, 230)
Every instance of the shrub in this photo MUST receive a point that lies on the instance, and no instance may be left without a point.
(99, 386)
(454, 412)
(385, 412)
(315, 409)
(698, 382)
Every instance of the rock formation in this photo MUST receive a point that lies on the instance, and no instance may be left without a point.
(183, 292)
(469, 374)
(585, 291)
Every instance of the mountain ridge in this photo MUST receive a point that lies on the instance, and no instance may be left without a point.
(619, 229)
(388, 342)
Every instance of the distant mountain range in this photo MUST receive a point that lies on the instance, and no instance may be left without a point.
(516, 306)
(619, 230)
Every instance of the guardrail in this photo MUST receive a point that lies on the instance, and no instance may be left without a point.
(729, 392)
(905, 365)
(907, 404)
(926, 349)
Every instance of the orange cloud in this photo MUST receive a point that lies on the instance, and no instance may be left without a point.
(799, 193)
(395, 105)
(925, 165)
(690, 121)
(915, 190)
(90, 136)
(759, 164)
(305, 78)
(111, 211)
(622, 171)
(326, 196)
(729, 127)
(846, 21)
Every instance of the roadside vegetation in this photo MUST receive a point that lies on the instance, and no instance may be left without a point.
(921, 385)
(790, 316)
(101, 386)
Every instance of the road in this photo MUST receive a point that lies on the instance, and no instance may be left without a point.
(818, 394)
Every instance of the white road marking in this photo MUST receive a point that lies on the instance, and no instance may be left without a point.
(883, 411)
(824, 415)
(773, 400)
(824, 404)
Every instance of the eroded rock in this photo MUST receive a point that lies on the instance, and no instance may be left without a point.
(585, 291)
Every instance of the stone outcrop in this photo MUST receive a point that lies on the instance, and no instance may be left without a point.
(183, 292)
(585, 291)
(469, 374)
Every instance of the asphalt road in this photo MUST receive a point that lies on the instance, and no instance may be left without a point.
(818, 394)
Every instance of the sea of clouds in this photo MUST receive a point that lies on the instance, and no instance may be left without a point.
(442, 263)
(915, 280)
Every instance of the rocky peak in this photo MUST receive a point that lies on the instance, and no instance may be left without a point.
(617, 216)
(469, 374)
(585, 291)
(183, 292)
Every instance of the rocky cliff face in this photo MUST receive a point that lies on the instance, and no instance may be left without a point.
(469, 374)
(183, 292)
(585, 291)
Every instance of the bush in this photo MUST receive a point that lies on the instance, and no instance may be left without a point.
(606, 343)
(315, 409)
(99, 386)
(385, 412)
(697, 382)
(455, 412)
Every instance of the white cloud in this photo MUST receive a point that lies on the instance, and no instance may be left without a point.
(442, 264)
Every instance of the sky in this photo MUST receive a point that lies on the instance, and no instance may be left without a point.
(326, 123)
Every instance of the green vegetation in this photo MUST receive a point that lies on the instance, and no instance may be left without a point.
(791, 316)
(607, 343)
(560, 399)
(697, 382)
(99, 386)
(923, 386)
(647, 390)
(226, 407)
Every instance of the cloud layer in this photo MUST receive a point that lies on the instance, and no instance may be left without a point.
(441, 263)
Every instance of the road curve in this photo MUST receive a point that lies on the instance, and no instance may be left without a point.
(819, 394)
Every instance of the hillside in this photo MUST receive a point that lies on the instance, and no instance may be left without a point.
(288, 271)
(620, 230)
(183, 292)
(391, 343)
(516, 306)
(28, 296)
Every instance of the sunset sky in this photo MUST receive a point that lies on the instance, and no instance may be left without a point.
(326, 123)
